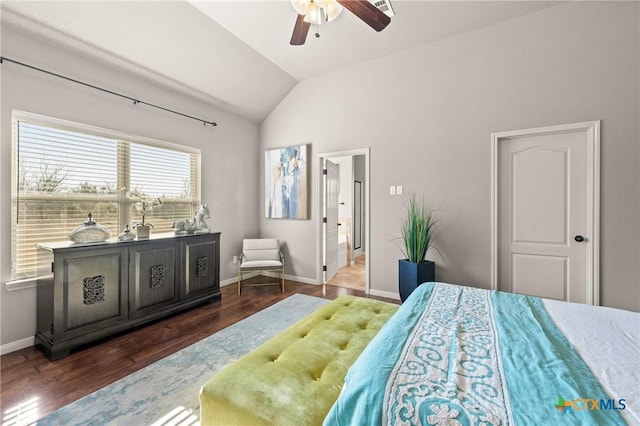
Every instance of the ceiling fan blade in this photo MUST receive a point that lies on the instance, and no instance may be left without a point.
(368, 13)
(300, 31)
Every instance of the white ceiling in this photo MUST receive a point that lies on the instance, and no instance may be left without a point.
(236, 54)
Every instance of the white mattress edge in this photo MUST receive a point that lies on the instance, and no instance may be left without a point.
(608, 340)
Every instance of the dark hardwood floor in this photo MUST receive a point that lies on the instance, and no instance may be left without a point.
(29, 382)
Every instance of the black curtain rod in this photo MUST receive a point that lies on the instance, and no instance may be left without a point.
(135, 101)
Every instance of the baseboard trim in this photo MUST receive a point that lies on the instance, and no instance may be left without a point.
(302, 279)
(291, 278)
(17, 345)
(230, 281)
(387, 294)
(234, 280)
(275, 275)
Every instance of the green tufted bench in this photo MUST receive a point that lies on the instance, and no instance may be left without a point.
(295, 377)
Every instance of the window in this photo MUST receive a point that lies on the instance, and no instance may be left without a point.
(63, 171)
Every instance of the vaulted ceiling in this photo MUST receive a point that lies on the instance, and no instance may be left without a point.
(236, 54)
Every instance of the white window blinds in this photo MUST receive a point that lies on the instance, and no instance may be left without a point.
(61, 174)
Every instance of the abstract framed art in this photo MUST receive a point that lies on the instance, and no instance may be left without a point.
(286, 182)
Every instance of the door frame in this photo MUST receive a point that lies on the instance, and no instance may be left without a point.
(592, 129)
(320, 200)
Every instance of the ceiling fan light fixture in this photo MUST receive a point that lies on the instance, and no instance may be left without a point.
(323, 3)
(314, 15)
(301, 6)
(331, 10)
(315, 11)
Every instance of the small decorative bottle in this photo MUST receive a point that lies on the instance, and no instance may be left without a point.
(126, 235)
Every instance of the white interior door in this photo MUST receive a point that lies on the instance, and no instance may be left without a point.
(332, 189)
(546, 229)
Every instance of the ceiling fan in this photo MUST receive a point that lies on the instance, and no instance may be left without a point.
(319, 11)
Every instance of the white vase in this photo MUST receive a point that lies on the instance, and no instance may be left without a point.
(143, 231)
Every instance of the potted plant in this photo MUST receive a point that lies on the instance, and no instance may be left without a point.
(144, 205)
(417, 230)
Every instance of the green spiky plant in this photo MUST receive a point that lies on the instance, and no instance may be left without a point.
(417, 229)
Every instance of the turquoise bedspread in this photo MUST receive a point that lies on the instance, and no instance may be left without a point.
(455, 355)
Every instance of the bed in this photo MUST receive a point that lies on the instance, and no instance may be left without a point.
(455, 355)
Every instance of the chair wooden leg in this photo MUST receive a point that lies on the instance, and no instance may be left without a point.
(282, 277)
(239, 282)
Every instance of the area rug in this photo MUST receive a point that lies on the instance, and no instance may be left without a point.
(166, 392)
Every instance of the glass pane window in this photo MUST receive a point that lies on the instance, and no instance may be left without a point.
(171, 180)
(61, 174)
(57, 161)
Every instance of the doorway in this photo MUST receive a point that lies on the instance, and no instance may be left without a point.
(352, 200)
(545, 212)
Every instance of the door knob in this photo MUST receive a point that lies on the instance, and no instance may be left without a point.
(579, 238)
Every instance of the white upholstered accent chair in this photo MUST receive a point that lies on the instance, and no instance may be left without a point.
(260, 254)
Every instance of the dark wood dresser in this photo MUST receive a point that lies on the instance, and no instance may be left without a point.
(86, 292)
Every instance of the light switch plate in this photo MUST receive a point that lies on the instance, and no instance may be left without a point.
(399, 190)
(392, 190)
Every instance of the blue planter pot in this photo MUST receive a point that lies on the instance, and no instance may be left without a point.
(411, 275)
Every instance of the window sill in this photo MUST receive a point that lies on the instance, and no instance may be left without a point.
(20, 284)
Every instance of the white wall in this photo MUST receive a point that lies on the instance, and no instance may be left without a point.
(229, 151)
(427, 114)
